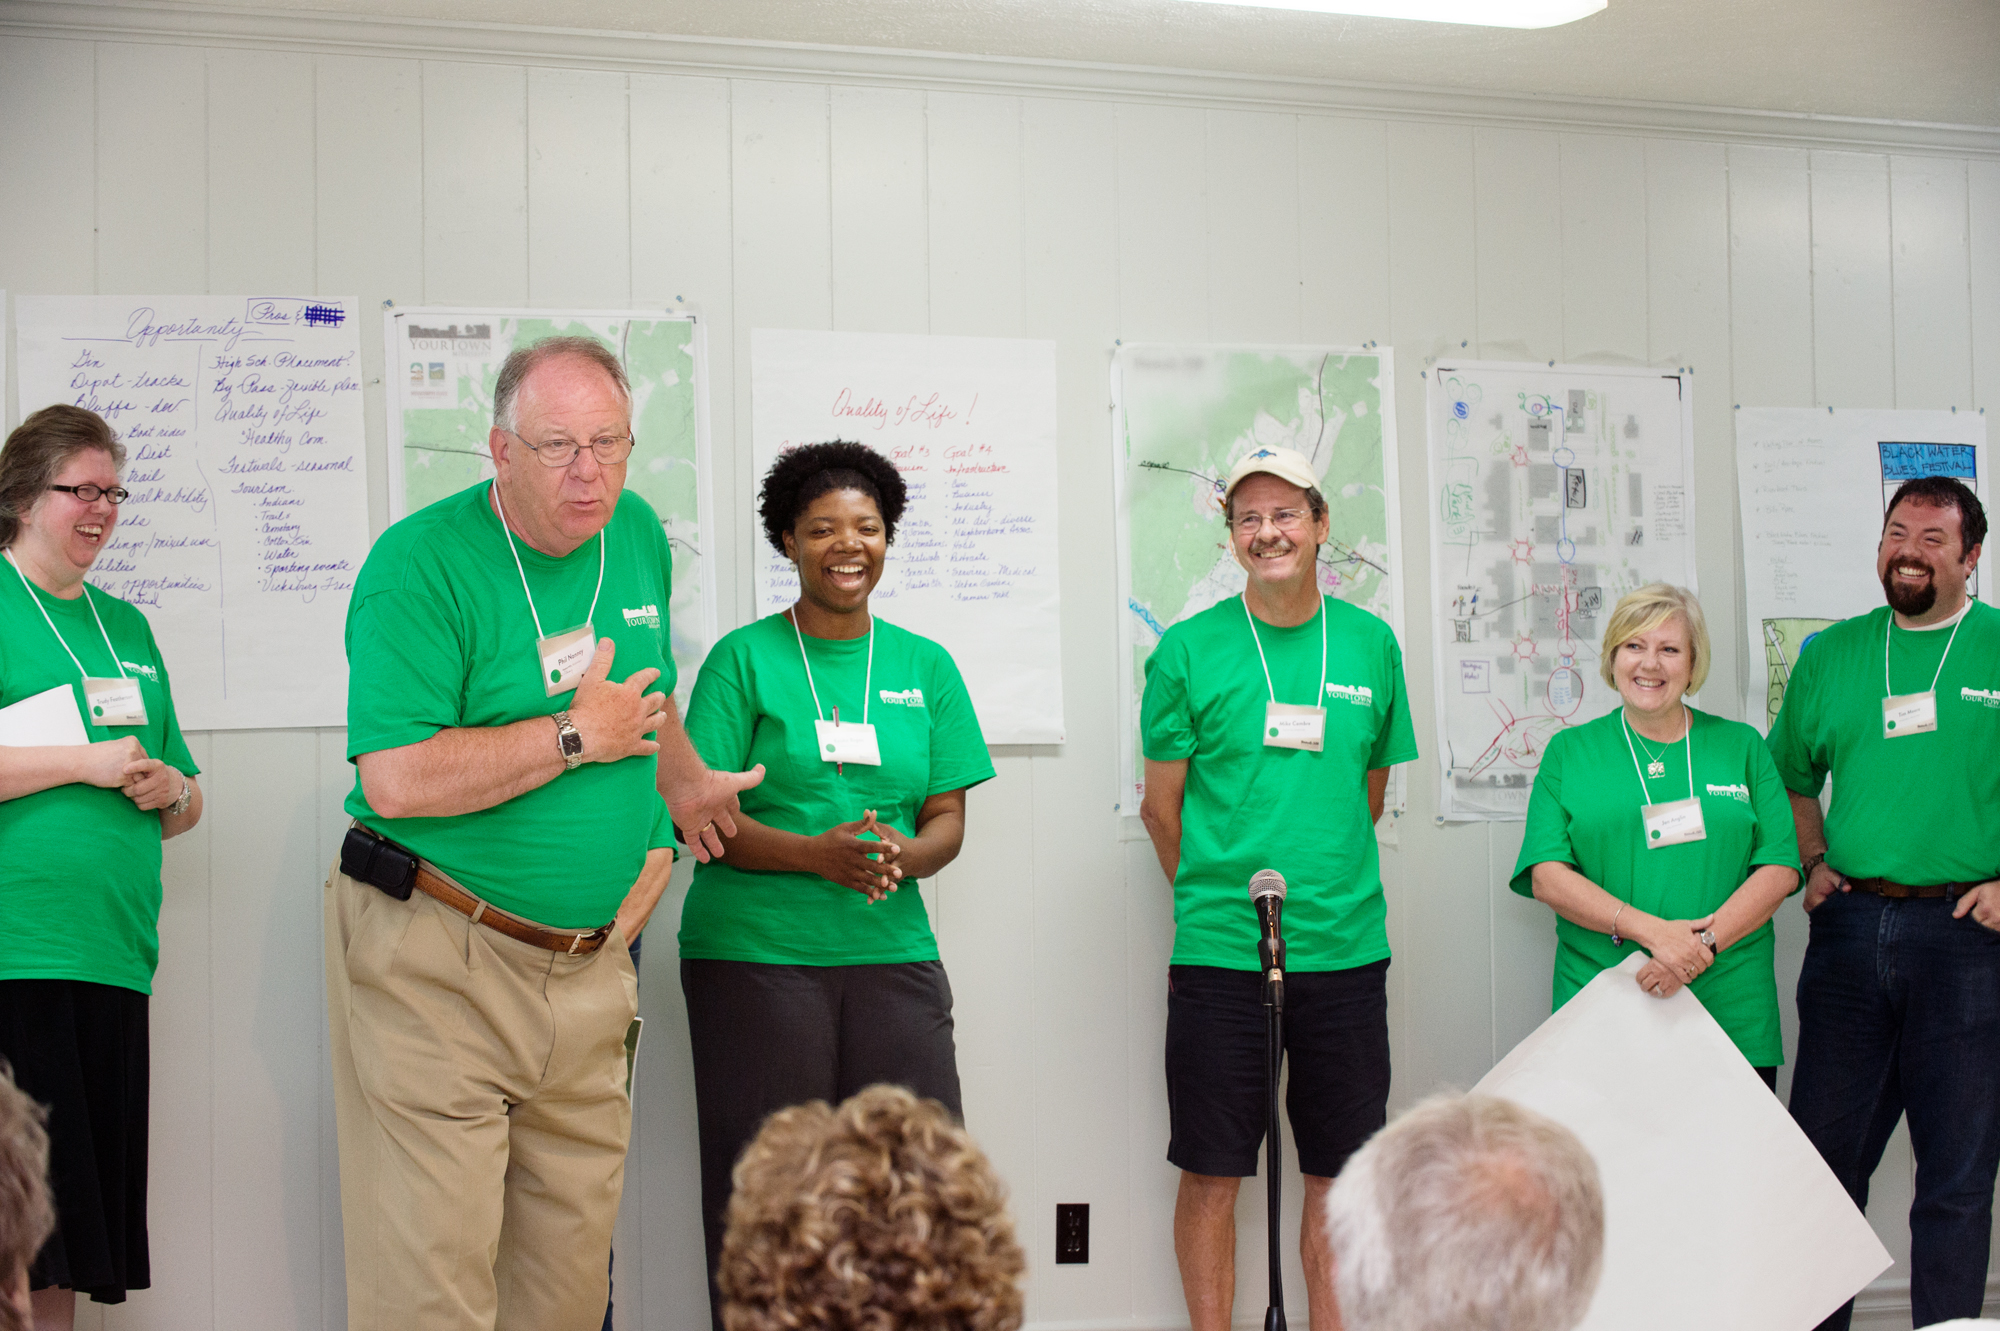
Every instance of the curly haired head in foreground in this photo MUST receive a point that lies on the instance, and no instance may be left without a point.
(881, 1215)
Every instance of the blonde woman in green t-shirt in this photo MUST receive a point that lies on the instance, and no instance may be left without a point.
(1663, 828)
(80, 830)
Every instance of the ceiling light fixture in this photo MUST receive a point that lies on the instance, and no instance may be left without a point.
(1485, 13)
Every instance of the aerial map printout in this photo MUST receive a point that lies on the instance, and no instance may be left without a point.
(442, 364)
(1558, 489)
(1181, 418)
(1814, 486)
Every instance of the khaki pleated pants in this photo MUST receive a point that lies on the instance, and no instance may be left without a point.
(479, 1089)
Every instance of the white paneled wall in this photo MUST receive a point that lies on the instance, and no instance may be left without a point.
(1784, 275)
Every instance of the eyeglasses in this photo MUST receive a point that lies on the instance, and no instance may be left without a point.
(117, 494)
(610, 449)
(1285, 519)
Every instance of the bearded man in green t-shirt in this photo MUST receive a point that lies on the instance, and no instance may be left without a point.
(1899, 996)
(511, 836)
(1270, 722)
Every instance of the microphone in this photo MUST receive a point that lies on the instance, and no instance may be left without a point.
(1267, 894)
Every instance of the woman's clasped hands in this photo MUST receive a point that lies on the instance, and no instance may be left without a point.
(860, 862)
(1678, 955)
(122, 764)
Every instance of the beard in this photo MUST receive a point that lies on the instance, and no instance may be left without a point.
(1912, 601)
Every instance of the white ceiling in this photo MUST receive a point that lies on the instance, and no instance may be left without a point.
(1921, 60)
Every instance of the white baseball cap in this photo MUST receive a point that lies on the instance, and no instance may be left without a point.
(1284, 463)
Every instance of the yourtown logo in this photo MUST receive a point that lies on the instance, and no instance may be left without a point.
(1741, 794)
(903, 698)
(148, 671)
(1358, 694)
(1990, 697)
(649, 615)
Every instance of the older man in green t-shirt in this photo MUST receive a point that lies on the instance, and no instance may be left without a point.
(1899, 996)
(1270, 722)
(511, 835)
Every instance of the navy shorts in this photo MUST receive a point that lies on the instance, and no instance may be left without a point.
(1336, 1047)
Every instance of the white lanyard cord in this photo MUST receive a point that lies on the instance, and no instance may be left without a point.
(116, 664)
(508, 532)
(1889, 632)
(867, 682)
(1646, 794)
(1320, 699)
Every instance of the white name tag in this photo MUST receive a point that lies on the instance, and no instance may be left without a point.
(565, 656)
(848, 743)
(1291, 726)
(1909, 714)
(114, 702)
(1673, 824)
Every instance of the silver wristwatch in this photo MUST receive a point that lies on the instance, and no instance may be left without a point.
(570, 739)
(181, 802)
(1707, 937)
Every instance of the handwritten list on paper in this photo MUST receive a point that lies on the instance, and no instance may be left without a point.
(247, 519)
(970, 425)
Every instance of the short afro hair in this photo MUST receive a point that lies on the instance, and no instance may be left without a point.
(804, 474)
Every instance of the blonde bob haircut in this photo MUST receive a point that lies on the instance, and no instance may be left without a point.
(1646, 609)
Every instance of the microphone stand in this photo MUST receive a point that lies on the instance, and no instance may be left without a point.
(1271, 952)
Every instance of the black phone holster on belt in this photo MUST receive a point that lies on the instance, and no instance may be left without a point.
(379, 862)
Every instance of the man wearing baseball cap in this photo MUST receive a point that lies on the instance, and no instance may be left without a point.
(1270, 722)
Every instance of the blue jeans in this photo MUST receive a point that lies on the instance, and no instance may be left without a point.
(1899, 1012)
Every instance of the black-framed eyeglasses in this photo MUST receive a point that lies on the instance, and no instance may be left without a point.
(117, 494)
(610, 449)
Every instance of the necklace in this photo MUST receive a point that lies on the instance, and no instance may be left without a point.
(1656, 763)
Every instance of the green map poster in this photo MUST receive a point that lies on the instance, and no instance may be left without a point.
(441, 368)
(1181, 417)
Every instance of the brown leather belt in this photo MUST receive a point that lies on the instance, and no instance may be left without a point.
(567, 942)
(1882, 887)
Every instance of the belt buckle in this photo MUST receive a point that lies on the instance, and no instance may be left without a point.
(599, 934)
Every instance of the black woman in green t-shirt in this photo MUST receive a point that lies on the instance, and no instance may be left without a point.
(807, 956)
(1662, 828)
(87, 794)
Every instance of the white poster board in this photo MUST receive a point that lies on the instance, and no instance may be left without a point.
(248, 518)
(971, 424)
(1181, 418)
(1814, 487)
(1718, 1213)
(1557, 489)
(441, 365)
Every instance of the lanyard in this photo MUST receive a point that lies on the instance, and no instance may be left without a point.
(1319, 700)
(508, 532)
(116, 664)
(1889, 631)
(1644, 793)
(867, 683)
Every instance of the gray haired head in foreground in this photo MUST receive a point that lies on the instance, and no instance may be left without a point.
(521, 360)
(1468, 1213)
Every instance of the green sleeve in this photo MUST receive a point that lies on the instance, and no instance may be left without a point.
(1397, 741)
(663, 826)
(1777, 839)
(173, 744)
(1546, 838)
(959, 757)
(720, 722)
(405, 671)
(1791, 741)
(1166, 722)
(670, 673)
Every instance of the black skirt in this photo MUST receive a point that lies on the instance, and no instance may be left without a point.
(80, 1049)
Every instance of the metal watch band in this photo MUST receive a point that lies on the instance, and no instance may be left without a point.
(1707, 937)
(570, 741)
(182, 800)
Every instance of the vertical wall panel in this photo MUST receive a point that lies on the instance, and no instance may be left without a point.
(1252, 193)
(152, 170)
(475, 136)
(1854, 362)
(1770, 282)
(47, 193)
(1927, 210)
(881, 230)
(335, 778)
(261, 186)
(975, 214)
(1343, 230)
(1604, 248)
(1162, 249)
(1517, 187)
(1983, 213)
(579, 188)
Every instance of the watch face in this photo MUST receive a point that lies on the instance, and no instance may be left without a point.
(572, 741)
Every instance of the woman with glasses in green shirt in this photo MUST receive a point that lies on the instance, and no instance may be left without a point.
(807, 957)
(1664, 829)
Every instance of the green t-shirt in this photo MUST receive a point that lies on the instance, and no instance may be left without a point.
(1248, 806)
(752, 705)
(1584, 811)
(439, 635)
(81, 891)
(1947, 782)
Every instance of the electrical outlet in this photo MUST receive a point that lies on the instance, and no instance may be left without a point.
(1072, 1232)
